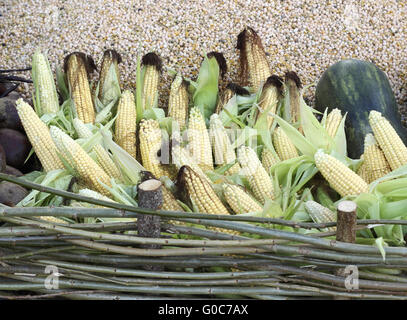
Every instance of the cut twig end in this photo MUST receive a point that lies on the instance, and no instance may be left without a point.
(347, 206)
(150, 185)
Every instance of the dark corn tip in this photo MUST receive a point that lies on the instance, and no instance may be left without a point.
(180, 179)
(86, 59)
(152, 59)
(221, 61)
(275, 81)
(114, 54)
(242, 37)
(239, 90)
(185, 82)
(146, 175)
(292, 75)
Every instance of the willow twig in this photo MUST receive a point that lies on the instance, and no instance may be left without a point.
(139, 240)
(156, 274)
(69, 212)
(163, 252)
(70, 284)
(35, 252)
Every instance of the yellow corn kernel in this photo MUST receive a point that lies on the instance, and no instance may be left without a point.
(269, 98)
(226, 95)
(221, 145)
(181, 157)
(39, 136)
(95, 195)
(110, 58)
(91, 194)
(178, 101)
(44, 81)
(203, 196)
(102, 155)
(150, 137)
(77, 76)
(53, 219)
(389, 141)
(126, 123)
(342, 179)
(268, 159)
(239, 200)
(333, 120)
(375, 159)
(320, 214)
(363, 170)
(284, 147)
(198, 140)
(85, 168)
(259, 180)
(293, 91)
(152, 68)
(170, 203)
(254, 66)
(201, 192)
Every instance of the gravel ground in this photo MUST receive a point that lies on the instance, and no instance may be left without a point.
(304, 36)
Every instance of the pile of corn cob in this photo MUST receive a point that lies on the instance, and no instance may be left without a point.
(218, 148)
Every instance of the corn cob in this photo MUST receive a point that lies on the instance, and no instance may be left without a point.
(198, 140)
(77, 65)
(333, 120)
(320, 214)
(150, 148)
(293, 85)
(230, 90)
(170, 203)
(342, 179)
(203, 196)
(85, 168)
(44, 81)
(181, 157)
(39, 136)
(110, 57)
(126, 123)
(268, 159)
(178, 101)
(269, 97)
(226, 95)
(284, 147)
(201, 192)
(375, 159)
(363, 170)
(53, 219)
(393, 147)
(95, 195)
(254, 66)
(239, 200)
(259, 180)
(91, 194)
(152, 68)
(222, 148)
(102, 156)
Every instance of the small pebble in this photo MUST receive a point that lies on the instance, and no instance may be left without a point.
(310, 35)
